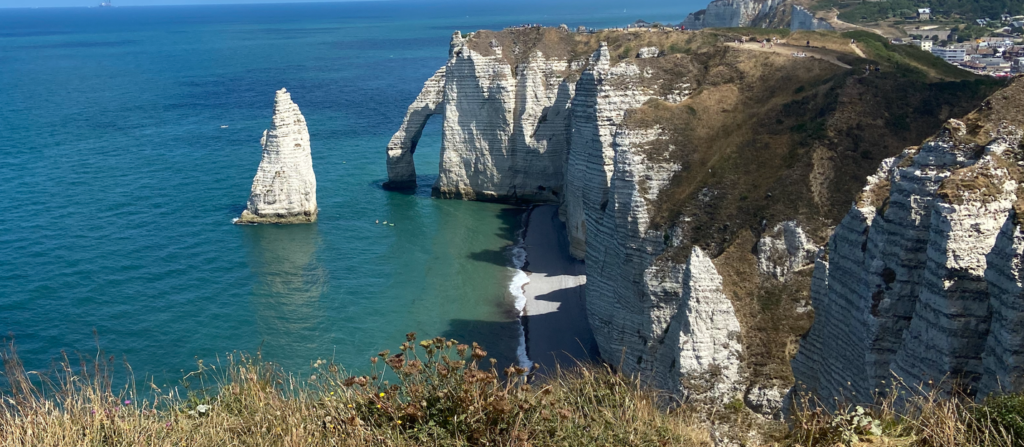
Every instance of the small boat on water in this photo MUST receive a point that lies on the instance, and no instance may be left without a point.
(223, 127)
(106, 5)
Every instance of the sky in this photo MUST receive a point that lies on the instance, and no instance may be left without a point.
(83, 3)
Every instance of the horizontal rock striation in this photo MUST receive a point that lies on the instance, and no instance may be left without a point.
(603, 95)
(686, 205)
(284, 189)
(549, 129)
(666, 321)
(505, 130)
(401, 169)
(733, 13)
(921, 281)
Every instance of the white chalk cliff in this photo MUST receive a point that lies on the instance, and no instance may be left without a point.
(504, 131)
(666, 321)
(544, 131)
(284, 189)
(923, 277)
(802, 19)
(733, 13)
(401, 169)
(922, 280)
(603, 95)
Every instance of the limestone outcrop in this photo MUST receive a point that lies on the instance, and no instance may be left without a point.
(669, 322)
(802, 19)
(284, 189)
(504, 131)
(603, 95)
(700, 215)
(922, 279)
(401, 169)
(784, 249)
(733, 13)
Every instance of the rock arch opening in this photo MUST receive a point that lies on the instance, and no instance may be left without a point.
(430, 102)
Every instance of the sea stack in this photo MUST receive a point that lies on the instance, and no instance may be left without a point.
(284, 189)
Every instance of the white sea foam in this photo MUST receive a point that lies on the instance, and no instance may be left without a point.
(234, 220)
(520, 279)
(515, 287)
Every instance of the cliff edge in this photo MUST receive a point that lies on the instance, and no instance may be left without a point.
(697, 180)
(921, 283)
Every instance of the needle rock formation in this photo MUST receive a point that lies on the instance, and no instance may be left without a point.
(284, 189)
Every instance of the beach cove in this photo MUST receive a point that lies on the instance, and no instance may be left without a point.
(122, 186)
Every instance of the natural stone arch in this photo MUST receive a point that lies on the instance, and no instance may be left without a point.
(401, 169)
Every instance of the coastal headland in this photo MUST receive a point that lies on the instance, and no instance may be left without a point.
(696, 178)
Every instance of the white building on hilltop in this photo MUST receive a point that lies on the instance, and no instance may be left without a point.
(950, 54)
(924, 45)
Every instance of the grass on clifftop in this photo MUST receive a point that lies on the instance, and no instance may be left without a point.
(431, 392)
(766, 138)
(439, 392)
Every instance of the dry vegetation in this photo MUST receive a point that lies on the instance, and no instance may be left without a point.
(765, 138)
(439, 392)
(431, 392)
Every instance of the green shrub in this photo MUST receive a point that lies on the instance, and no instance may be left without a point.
(1004, 412)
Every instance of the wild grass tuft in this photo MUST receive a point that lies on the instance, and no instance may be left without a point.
(923, 416)
(430, 392)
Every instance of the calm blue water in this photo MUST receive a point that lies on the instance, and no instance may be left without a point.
(118, 184)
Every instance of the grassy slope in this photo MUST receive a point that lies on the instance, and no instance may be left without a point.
(772, 138)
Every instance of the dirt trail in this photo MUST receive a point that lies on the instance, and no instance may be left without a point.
(857, 50)
(824, 55)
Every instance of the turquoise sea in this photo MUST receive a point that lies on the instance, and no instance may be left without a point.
(118, 182)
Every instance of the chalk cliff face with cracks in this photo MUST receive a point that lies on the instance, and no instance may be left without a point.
(923, 278)
(284, 189)
(504, 128)
(698, 183)
(546, 129)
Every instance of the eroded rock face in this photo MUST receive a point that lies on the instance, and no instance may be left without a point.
(917, 272)
(784, 249)
(479, 114)
(671, 323)
(766, 401)
(284, 189)
(732, 13)
(647, 52)
(540, 135)
(802, 19)
(505, 133)
(401, 169)
(603, 95)
(544, 136)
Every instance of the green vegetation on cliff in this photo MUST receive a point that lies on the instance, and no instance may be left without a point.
(881, 10)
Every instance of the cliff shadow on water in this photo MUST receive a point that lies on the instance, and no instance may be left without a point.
(290, 283)
(452, 259)
(511, 219)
